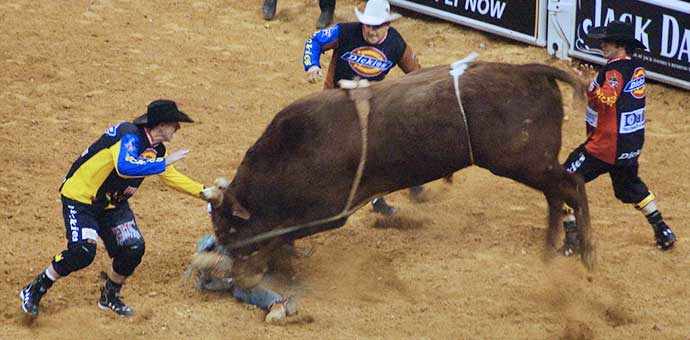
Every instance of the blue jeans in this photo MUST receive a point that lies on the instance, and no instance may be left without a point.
(257, 296)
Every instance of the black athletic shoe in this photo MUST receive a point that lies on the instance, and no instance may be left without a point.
(325, 19)
(33, 292)
(269, 9)
(665, 238)
(382, 207)
(111, 300)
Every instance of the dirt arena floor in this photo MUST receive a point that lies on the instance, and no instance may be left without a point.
(466, 264)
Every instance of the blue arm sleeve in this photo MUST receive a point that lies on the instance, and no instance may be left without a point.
(130, 164)
(313, 47)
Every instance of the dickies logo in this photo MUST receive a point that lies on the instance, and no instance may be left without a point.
(367, 61)
(149, 154)
(636, 85)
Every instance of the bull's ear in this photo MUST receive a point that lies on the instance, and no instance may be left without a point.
(237, 208)
(241, 212)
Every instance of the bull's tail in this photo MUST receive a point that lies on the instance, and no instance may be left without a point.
(578, 85)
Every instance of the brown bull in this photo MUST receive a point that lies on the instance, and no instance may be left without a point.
(302, 168)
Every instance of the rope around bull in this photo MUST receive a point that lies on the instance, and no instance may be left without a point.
(456, 69)
(360, 93)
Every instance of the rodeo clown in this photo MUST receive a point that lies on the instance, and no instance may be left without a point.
(367, 49)
(94, 201)
(615, 122)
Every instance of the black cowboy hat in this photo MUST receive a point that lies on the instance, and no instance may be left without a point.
(162, 111)
(616, 31)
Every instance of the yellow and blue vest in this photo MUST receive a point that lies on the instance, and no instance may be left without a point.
(111, 169)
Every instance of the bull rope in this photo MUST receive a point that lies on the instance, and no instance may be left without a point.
(456, 70)
(360, 93)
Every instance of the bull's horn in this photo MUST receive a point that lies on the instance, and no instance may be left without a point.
(213, 195)
(222, 183)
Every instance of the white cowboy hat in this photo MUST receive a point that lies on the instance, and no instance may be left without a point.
(376, 12)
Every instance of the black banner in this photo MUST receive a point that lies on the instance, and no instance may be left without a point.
(516, 15)
(665, 32)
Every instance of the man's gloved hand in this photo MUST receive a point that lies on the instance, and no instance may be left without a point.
(314, 73)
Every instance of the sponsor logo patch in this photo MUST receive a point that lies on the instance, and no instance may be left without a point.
(126, 232)
(367, 61)
(612, 80)
(636, 86)
(576, 164)
(632, 121)
(630, 155)
(112, 129)
(89, 234)
(72, 217)
(149, 154)
(129, 146)
(328, 32)
(592, 117)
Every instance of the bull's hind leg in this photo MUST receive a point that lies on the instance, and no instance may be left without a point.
(560, 187)
(572, 192)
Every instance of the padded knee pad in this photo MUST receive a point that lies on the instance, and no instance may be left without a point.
(129, 258)
(77, 256)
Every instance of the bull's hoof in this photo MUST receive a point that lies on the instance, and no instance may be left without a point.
(383, 208)
(269, 9)
(571, 243)
(417, 194)
(569, 251)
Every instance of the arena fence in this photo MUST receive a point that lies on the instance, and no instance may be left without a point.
(522, 20)
(561, 25)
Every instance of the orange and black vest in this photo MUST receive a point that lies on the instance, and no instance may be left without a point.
(615, 116)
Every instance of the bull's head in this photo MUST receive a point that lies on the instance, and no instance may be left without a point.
(215, 196)
(299, 171)
(226, 211)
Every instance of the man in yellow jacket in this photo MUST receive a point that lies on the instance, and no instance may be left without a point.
(94, 201)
